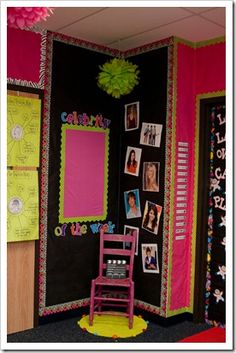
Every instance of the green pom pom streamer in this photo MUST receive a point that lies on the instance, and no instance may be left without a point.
(118, 77)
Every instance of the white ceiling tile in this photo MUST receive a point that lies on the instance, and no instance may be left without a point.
(198, 10)
(194, 29)
(127, 27)
(217, 15)
(116, 23)
(63, 16)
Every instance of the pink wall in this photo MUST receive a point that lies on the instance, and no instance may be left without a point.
(210, 68)
(23, 55)
(200, 70)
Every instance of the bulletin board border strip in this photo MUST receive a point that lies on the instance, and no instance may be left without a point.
(44, 180)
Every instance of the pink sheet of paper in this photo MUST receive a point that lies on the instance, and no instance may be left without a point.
(84, 174)
(23, 55)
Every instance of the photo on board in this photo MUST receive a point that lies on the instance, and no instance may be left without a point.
(150, 258)
(151, 217)
(151, 134)
(133, 231)
(132, 160)
(151, 176)
(132, 116)
(132, 204)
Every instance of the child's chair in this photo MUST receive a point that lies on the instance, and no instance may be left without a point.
(114, 292)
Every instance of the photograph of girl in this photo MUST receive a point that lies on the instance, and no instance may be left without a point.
(151, 176)
(132, 160)
(131, 116)
(151, 217)
(150, 258)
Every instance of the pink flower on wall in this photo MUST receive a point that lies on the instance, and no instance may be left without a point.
(25, 17)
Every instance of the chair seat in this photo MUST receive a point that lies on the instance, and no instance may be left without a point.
(123, 282)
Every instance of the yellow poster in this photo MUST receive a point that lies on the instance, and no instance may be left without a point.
(23, 131)
(22, 205)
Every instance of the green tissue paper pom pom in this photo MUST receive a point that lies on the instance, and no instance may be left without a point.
(118, 77)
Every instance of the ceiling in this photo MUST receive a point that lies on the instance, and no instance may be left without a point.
(128, 27)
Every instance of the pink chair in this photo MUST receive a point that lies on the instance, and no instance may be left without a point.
(113, 292)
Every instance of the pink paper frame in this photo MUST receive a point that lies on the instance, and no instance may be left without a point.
(84, 174)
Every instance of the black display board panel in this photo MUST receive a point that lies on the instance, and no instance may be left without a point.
(151, 93)
(73, 261)
(205, 305)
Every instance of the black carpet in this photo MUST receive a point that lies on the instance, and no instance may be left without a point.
(69, 331)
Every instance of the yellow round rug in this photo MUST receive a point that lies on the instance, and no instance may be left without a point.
(113, 326)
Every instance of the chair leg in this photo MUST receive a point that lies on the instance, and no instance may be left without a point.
(131, 306)
(99, 301)
(91, 310)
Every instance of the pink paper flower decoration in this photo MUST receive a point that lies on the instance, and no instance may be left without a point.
(25, 17)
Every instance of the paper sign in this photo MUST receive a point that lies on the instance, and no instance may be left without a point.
(22, 205)
(23, 131)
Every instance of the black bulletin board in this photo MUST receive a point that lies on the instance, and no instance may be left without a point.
(151, 93)
(68, 263)
(71, 262)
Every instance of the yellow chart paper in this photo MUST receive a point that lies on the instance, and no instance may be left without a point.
(23, 131)
(22, 205)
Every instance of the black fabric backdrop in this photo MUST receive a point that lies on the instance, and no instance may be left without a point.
(152, 96)
(73, 261)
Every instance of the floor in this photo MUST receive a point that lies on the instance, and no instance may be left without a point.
(69, 331)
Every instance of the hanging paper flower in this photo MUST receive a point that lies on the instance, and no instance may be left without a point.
(25, 17)
(118, 77)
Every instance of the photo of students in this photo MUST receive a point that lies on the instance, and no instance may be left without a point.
(151, 176)
(150, 258)
(132, 116)
(151, 217)
(132, 160)
(151, 134)
(133, 231)
(132, 204)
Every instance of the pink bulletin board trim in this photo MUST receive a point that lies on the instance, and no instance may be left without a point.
(29, 48)
(84, 173)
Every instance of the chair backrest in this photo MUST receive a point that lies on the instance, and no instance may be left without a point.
(107, 248)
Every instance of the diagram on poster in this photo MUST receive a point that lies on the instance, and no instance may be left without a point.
(23, 131)
(22, 205)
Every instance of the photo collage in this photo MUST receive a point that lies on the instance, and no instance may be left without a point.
(149, 171)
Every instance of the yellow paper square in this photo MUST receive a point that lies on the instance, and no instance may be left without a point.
(23, 131)
(22, 205)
